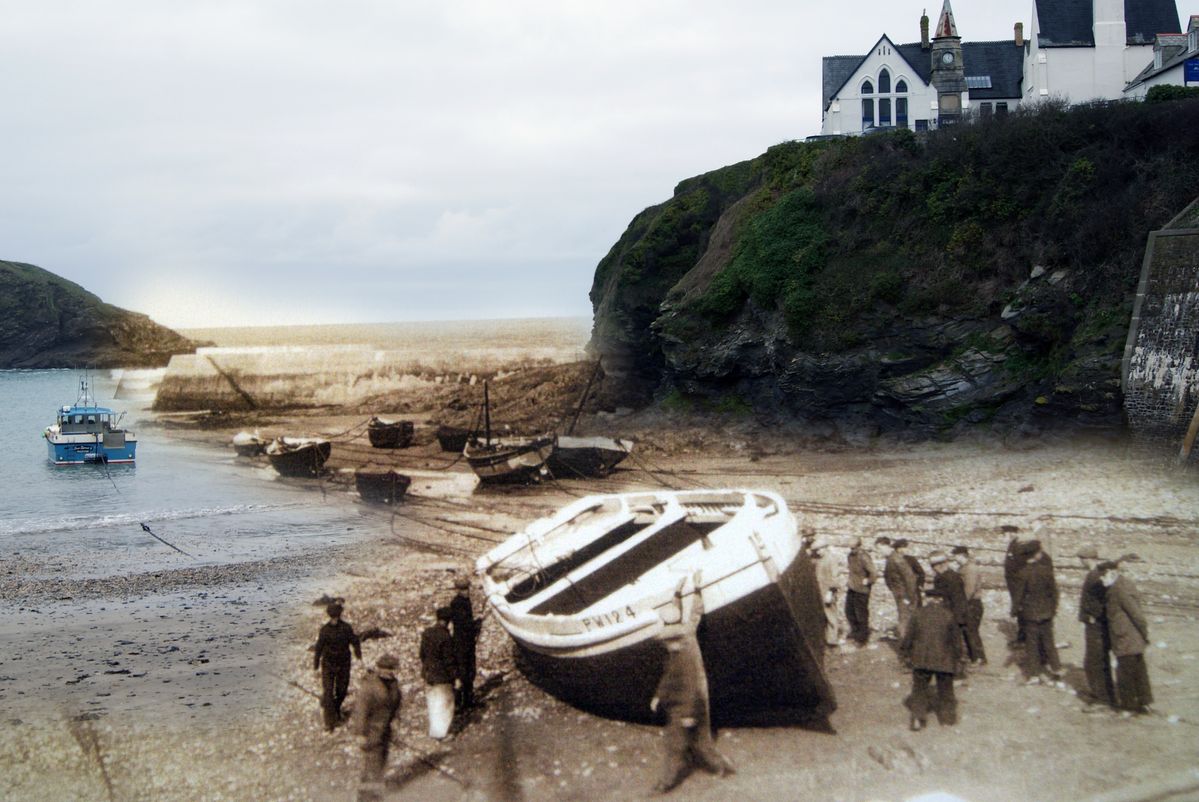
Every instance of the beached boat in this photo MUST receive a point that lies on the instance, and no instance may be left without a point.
(382, 485)
(299, 456)
(452, 438)
(85, 433)
(249, 445)
(508, 460)
(574, 457)
(386, 433)
(585, 594)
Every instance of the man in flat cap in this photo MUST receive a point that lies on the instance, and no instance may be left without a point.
(1129, 632)
(862, 576)
(826, 580)
(972, 587)
(378, 704)
(465, 633)
(1034, 605)
(1012, 563)
(932, 646)
(439, 669)
(331, 657)
(952, 590)
(1092, 612)
(900, 580)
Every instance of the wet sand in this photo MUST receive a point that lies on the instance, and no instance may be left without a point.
(1014, 741)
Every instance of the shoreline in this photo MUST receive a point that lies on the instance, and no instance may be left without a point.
(933, 493)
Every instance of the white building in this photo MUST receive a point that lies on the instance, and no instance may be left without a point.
(1078, 50)
(1171, 52)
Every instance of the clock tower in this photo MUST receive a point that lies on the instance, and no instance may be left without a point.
(949, 74)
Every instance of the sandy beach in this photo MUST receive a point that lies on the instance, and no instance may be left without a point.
(1014, 741)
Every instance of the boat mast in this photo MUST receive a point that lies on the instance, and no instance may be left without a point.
(579, 409)
(486, 414)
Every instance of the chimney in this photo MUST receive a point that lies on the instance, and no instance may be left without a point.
(1019, 34)
(924, 30)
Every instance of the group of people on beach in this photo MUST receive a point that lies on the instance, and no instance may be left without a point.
(938, 627)
(447, 658)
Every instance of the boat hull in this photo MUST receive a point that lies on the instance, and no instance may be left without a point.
(575, 457)
(302, 461)
(451, 438)
(509, 463)
(113, 448)
(390, 434)
(381, 487)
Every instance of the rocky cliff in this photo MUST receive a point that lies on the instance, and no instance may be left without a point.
(890, 283)
(49, 322)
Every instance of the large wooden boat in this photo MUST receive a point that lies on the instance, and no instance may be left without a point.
(575, 457)
(507, 460)
(381, 485)
(84, 433)
(299, 456)
(386, 433)
(585, 595)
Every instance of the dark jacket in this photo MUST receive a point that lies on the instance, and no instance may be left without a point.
(933, 641)
(899, 577)
(1035, 595)
(378, 703)
(1012, 563)
(1092, 603)
(466, 626)
(682, 689)
(1126, 621)
(438, 665)
(954, 589)
(918, 572)
(862, 573)
(333, 644)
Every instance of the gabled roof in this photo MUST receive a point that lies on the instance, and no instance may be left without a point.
(1180, 55)
(1070, 23)
(837, 70)
(1002, 62)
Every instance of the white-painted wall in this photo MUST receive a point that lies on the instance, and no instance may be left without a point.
(844, 114)
(1172, 76)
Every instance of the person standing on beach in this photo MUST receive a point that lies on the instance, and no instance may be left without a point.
(439, 668)
(1012, 563)
(465, 632)
(952, 590)
(826, 580)
(862, 576)
(331, 657)
(932, 647)
(1129, 633)
(972, 587)
(1092, 612)
(1034, 605)
(378, 704)
(917, 571)
(900, 580)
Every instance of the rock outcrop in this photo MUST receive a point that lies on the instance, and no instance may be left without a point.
(49, 322)
(984, 275)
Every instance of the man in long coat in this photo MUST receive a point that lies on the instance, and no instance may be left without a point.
(1129, 630)
(972, 587)
(465, 633)
(1092, 612)
(378, 703)
(826, 580)
(900, 580)
(331, 656)
(933, 648)
(952, 590)
(1034, 605)
(862, 576)
(439, 669)
(1012, 563)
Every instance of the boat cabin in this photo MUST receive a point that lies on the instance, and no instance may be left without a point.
(86, 420)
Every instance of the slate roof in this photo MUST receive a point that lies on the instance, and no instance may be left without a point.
(1002, 61)
(1070, 23)
(1180, 55)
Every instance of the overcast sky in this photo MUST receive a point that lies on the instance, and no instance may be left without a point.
(257, 162)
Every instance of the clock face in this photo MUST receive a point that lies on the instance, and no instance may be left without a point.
(947, 58)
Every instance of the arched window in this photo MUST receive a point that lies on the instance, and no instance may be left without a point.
(867, 88)
(884, 81)
(901, 86)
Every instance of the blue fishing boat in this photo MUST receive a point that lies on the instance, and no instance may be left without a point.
(87, 434)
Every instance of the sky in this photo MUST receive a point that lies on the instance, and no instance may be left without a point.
(265, 162)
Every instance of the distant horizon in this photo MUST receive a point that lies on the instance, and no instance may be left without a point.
(183, 329)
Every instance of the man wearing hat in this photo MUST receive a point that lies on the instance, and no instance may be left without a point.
(1012, 563)
(952, 588)
(1129, 632)
(972, 587)
(378, 703)
(1092, 612)
(900, 580)
(465, 633)
(1034, 604)
(682, 695)
(331, 656)
(439, 668)
(862, 576)
(932, 646)
(826, 580)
